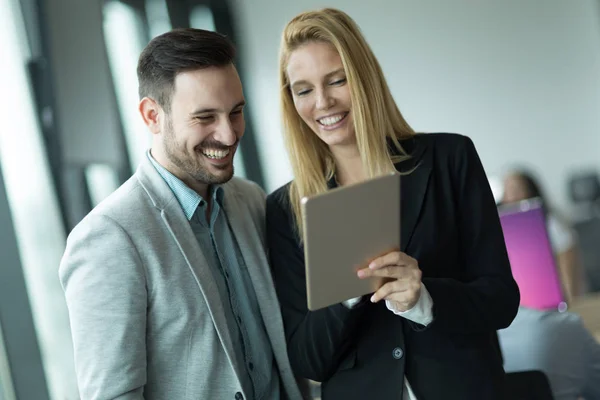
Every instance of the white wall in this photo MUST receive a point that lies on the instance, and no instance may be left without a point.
(520, 77)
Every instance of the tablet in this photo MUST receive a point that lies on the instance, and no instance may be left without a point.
(531, 257)
(344, 230)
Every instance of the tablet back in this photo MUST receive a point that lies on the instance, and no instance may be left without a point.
(344, 229)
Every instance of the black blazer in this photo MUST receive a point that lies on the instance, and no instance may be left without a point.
(450, 225)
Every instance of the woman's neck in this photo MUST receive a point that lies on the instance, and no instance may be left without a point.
(349, 167)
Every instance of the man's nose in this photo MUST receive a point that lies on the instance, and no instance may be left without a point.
(225, 133)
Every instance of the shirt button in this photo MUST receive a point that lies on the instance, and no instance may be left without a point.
(239, 396)
(251, 366)
(397, 353)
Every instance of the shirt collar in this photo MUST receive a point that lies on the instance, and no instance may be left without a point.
(188, 199)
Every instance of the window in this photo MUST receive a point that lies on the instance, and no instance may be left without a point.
(123, 32)
(34, 208)
(201, 17)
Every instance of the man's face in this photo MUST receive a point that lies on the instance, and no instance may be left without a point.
(201, 133)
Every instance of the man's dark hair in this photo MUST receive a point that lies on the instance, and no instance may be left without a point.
(178, 51)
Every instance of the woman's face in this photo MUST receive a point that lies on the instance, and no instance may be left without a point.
(321, 93)
(515, 189)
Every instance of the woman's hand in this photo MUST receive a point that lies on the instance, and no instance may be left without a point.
(402, 276)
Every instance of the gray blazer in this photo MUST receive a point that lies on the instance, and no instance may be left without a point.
(146, 318)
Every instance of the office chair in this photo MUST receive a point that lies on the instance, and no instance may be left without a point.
(528, 385)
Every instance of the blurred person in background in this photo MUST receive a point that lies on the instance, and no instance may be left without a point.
(167, 282)
(559, 345)
(520, 185)
(429, 333)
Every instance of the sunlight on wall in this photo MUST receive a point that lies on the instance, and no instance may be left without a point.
(34, 206)
(7, 392)
(124, 43)
(158, 17)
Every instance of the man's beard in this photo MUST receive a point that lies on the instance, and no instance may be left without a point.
(191, 164)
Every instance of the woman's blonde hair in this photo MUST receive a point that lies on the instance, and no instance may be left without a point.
(375, 114)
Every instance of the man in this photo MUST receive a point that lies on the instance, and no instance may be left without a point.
(167, 282)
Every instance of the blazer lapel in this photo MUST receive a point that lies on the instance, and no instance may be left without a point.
(248, 236)
(413, 186)
(179, 227)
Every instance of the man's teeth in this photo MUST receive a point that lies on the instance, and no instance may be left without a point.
(331, 120)
(215, 154)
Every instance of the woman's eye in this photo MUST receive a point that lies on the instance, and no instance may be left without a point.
(302, 92)
(338, 82)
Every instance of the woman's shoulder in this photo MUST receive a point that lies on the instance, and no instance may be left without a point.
(560, 234)
(438, 142)
(280, 197)
(444, 141)
(439, 150)
(440, 137)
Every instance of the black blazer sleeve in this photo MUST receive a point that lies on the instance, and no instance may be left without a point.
(317, 340)
(487, 297)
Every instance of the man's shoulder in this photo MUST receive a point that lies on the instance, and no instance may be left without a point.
(127, 204)
(248, 197)
(244, 187)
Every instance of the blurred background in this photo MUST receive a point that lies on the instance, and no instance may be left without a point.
(520, 77)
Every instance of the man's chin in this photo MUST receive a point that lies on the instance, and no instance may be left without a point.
(221, 180)
(221, 176)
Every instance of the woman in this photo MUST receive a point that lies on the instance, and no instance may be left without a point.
(430, 332)
(521, 185)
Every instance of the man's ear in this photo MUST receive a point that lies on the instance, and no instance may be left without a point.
(150, 112)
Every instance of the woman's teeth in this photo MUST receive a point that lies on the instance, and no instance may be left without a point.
(327, 121)
(215, 154)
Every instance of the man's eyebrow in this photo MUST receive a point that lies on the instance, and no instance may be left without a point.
(212, 110)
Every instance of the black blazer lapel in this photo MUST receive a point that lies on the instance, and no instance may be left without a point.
(413, 186)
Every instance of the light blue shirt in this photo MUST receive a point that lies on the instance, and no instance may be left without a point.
(260, 376)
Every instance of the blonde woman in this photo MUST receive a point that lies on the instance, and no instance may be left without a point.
(430, 333)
